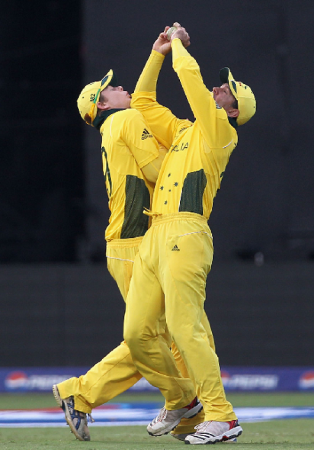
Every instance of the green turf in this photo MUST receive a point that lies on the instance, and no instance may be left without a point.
(279, 434)
(295, 434)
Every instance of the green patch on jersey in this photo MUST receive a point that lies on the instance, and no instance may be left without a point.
(107, 172)
(137, 198)
(192, 192)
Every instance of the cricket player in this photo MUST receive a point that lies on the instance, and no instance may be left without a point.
(131, 159)
(177, 251)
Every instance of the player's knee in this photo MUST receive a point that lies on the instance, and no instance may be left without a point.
(131, 336)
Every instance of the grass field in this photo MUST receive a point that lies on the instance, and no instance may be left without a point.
(295, 434)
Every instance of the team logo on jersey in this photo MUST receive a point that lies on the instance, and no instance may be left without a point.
(218, 107)
(182, 147)
(146, 134)
(175, 248)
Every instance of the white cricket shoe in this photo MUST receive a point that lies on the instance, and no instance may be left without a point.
(212, 432)
(182, 436)
(167, 420)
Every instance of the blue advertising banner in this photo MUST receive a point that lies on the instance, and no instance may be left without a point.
(268, 378)
(242, 379)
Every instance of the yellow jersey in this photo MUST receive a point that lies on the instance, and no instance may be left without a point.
(127, 146)
(198, 152)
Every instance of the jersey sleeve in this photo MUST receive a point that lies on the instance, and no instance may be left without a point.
(213, 121)
(162, 122)
(139, 139)
(152, 169)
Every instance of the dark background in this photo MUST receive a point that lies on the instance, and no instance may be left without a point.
(42, 153)
(55, 288)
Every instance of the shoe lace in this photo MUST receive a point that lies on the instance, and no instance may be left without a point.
(202, 426)
(74, 412)
(161, 416)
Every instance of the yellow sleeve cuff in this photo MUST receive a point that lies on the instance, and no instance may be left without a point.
(178, 49)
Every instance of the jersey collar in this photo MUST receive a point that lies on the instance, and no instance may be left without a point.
(233, 122)
(99, 120)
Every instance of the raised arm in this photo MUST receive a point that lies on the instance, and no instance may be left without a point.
(199, 97)
(162, 122)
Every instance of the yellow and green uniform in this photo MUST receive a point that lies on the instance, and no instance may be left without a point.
(177, 251)
(127, 146)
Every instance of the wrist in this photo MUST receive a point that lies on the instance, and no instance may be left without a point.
(158, 54)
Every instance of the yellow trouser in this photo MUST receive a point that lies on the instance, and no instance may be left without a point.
(175, 258)
(116, 372)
